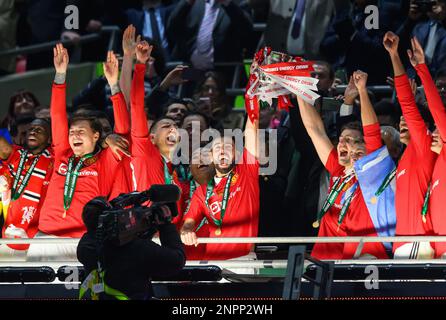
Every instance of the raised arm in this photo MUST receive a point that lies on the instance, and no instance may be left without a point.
(128, 48)
(139, 119)
(58, 109)
(316, 130)
(120, 112)
(415, 123)
(252, 137)
(416, 56)
(370, 123)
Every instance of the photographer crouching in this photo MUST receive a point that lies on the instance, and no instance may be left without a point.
(117, 250)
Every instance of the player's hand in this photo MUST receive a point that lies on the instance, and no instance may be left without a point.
(351, 92)
(416, 55)
(111, 68)
(143, 51)
(173, 78)
(391, 42)
(118, 145)
(360, 80)
(61, 58)
(189, 238)
(129, 42)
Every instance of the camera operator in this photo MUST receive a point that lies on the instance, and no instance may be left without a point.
(128, 268)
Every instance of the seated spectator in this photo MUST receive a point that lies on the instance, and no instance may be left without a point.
(150, 21)
(177, 110)
(210, 95)
(298, 26)
(432, 36)
(209, 31)
(349, 44)
(22, 102)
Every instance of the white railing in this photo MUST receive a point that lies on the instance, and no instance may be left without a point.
(256, 240)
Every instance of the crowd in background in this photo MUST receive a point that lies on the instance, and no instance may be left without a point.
(203, 34)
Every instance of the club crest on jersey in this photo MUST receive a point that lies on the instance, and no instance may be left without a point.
(28, 214)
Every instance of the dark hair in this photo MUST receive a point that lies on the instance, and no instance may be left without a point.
(200, 114)
(155, 122)
(25, 118)
(95, 125)
(386, 107)
(354, 125)
(331, 73)
(172, 101)
(92, 210)
(219, 80)
(18, 95)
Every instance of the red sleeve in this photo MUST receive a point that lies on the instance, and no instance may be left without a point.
(109, 167)
(372, 137)
(433, 99)
(333, 167)
(250, 164)
(59, 120)
(121, 114)
(196, 209)
(419, 134)
(139, 118)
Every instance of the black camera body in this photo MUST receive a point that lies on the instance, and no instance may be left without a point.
(128, 218)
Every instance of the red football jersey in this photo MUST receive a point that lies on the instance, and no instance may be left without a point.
(96, 178)
(414, 170)
(242, 213)
(23, 213)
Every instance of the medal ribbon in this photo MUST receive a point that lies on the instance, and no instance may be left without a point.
(426, 202)
(333, 195)
(386, 182)
(16, 193)
(71, 179)
(224, 203)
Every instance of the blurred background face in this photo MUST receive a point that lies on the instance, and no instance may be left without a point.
(223, 154)
(194, 122)
(210, 90)
(437, 143)
(177, 111)
(23, 104)
(38, 136)
(438, 11)
(201, 167)
(82, 138)
(322, 73)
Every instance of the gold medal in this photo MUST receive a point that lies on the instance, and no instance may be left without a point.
(424, 219)
(64, 214)
(316, 224)
(373, 200)
(218, 232)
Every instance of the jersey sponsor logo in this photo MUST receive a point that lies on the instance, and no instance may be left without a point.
(403, 172)
(63, 168)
